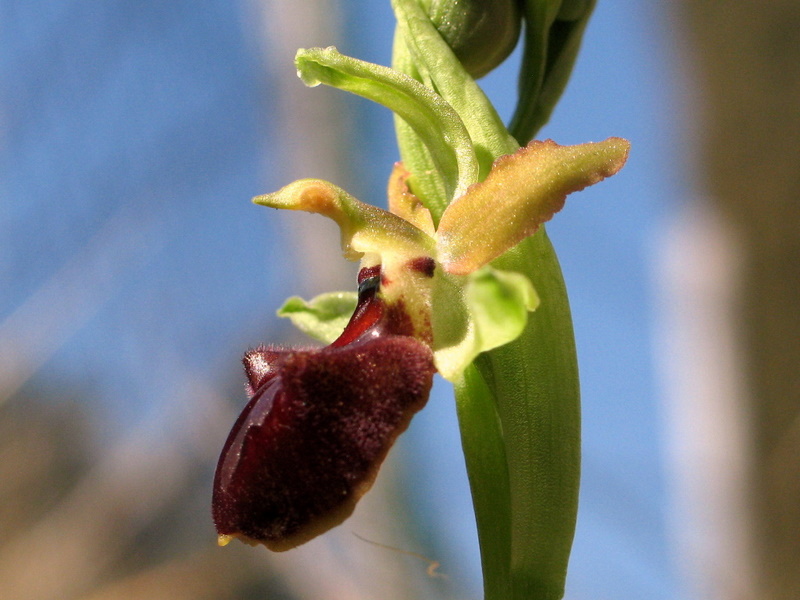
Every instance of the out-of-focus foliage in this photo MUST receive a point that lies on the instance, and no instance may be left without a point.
(130, 520)
(126, 524)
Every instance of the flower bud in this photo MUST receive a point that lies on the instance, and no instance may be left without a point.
(482, 33)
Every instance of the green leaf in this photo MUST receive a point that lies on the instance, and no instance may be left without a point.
(534, 381)
(487, 469)
(519, 412)
(323, 317)
(522, 191)
(431, 118)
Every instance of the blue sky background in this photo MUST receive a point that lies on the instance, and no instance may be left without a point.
(132, 137)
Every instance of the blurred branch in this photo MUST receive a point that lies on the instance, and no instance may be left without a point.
(204, 575)
(311, 131)
(82, 536)
(747, 55)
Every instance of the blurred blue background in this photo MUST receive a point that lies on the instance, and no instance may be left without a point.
(134, 271)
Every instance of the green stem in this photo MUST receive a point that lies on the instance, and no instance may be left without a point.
(482, 442)
(519, 404)
(534, 380)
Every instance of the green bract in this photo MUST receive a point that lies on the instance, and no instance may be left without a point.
(553, 33)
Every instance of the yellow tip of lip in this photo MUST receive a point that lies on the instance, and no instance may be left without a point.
(224, 540)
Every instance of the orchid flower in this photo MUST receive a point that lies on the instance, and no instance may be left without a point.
(449, 276)
(428, 297)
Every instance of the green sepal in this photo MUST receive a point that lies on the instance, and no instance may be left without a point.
(376, 237)
(487, 469)
(324, 317)
(522, 191)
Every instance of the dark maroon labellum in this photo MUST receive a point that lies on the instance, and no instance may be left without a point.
(309, 443)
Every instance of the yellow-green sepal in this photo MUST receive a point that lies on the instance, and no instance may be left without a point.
(522, 191)
(364, 228)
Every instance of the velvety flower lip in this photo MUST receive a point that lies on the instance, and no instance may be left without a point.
(311, 439)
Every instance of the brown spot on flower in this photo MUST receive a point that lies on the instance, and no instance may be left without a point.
(423, 264)
(398, 321)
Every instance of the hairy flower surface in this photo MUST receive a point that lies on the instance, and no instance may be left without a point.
(309, 443)
(320, 422)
